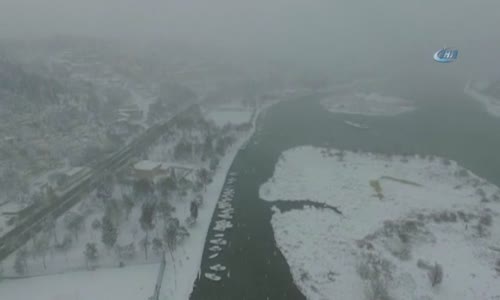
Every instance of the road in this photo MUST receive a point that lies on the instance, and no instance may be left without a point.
(34, 218)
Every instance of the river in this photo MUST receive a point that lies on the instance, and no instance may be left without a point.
(446, 123)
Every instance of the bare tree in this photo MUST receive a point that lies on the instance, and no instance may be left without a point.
(194, 210)
(214, 162)
(142, 188)
(109, 234)
(65, 245)
(90, 254)
(41, 247)
(377, 289)
(128, 205)
(435, 274)
(166, 186)
(165, 209)
(157, 246)
(96, 224)
(50, 227)
(21, 262)
(146, 220)
(74, 223)
(104, 192)
(126, 252)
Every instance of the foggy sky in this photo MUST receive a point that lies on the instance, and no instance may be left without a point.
(321, 32)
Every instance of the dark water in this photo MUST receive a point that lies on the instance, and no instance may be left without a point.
(446, 123)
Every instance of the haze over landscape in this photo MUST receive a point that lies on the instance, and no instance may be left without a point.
(383, 34)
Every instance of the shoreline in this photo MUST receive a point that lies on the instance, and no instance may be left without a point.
(490, 104)
(214, 190)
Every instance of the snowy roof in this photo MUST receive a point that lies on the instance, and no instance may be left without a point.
(147, 165)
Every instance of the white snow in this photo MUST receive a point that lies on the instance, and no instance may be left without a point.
(371, 104)
(215, 248)
(222, 225)
(212, 276)
(129, 283)
(218, 268)
(325, 249)
(181, 272)
(491, 104)
(220, 242)
(225, 216)
(355, 125)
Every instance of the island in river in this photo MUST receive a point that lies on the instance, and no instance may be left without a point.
(400, 218)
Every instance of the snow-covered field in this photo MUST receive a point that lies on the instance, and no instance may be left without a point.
(371, 104)
(133, 282)
(491, 104)
(400, 216)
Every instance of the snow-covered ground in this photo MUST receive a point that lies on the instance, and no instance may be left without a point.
(176, 284)
(180, 273)
(491, 104)
(371, 104)
(396, 211)
(133, 282)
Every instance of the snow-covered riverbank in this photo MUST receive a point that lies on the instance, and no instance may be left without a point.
(197, 240)
(179, 276)
(133, 282)
(371, 104)
(188, 266)
(400, 216)
(491, 104)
